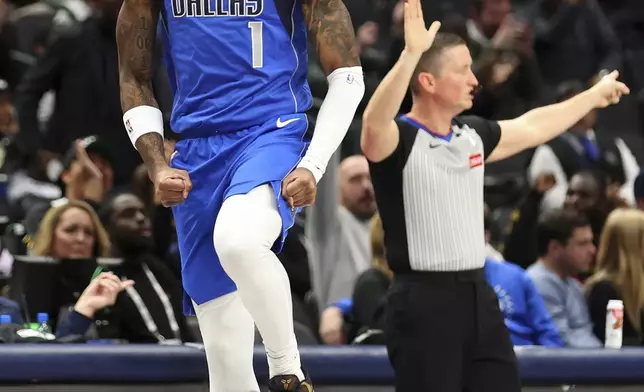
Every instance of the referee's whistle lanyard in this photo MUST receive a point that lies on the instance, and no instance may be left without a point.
(145, 313)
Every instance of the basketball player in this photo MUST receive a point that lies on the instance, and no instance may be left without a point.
(242, 169)
(444, 329)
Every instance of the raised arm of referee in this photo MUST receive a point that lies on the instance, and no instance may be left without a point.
(444, 329)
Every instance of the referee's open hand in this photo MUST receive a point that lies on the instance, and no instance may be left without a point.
(417, 38)
(299, 188)
(171, 186)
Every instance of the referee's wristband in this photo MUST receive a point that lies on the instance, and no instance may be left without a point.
(141, 120)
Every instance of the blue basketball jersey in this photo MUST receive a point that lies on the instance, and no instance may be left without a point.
(234, 64)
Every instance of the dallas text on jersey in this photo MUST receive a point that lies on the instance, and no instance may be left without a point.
(216, 8)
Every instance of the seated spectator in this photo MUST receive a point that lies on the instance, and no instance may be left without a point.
(587, 195)
(151, 312)
(71, 230)
(565, 248)
(87, 175)
(583, 148)
(369, 292)
(100, 293)
(620, 274)
(523, 309)
(338, 228)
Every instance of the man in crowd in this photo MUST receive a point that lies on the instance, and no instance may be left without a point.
(565, 246)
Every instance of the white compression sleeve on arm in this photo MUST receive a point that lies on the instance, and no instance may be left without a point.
(346, 89)
(141, 120)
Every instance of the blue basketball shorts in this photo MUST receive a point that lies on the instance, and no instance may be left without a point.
(220, 166)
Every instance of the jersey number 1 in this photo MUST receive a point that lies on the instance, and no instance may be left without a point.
(257, 43)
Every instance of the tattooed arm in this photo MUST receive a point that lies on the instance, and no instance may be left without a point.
(135, 37)
(331, 31)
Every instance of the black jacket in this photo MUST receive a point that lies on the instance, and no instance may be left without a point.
(81, 67)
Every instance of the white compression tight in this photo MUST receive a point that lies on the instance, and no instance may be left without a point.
(228, 334)
(245, 231)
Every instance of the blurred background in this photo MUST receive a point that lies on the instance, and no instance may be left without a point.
(74, 196)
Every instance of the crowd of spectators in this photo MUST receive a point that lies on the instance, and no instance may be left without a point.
(564, 221)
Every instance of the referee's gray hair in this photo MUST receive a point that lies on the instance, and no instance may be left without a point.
(430, 60)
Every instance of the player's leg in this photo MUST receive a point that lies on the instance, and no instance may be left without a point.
(246, 229)
(494, 365)
(226, 327)
(253, 220)
(228, 334)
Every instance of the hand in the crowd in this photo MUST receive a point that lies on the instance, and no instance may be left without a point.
(367, 34)
(87, 167)
(299, 188)
(502, 70)
(332, 326)
(100, 293)
(508, 33)
(171, 186)
(417, 38)
(545, 182)
(609, 90)
(398, 14)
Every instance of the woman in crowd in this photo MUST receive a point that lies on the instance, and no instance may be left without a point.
(71, 231)
(371, 287)
(68, 231)
(620, 274)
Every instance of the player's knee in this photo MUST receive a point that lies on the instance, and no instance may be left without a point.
(244, 230)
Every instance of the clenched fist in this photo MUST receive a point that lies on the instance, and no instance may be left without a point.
(171, 186)
(299, 188)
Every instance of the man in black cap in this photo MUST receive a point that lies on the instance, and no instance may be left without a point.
(87, 175)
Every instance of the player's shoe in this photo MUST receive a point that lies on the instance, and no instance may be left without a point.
(289, 382)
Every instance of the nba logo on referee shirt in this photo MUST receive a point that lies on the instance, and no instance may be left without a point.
(476, 160)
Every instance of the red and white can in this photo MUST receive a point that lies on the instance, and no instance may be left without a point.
(614, 323)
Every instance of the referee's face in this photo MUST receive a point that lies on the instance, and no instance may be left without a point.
(456, 83)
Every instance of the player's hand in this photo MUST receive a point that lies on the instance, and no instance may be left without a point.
(609, 90)
(299, 188)
(100, 293)
(417, 38)
(171, 186)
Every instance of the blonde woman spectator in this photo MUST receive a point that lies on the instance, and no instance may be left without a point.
(620, 274)
(71, 230)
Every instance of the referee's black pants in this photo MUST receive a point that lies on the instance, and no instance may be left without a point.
(446, 333)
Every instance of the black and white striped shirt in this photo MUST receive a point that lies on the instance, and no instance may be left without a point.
(430, 195)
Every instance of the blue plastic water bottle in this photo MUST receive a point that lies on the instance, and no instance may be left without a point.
(5, 319)
(43, 322)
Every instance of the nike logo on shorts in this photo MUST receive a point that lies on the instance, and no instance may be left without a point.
(282, 124)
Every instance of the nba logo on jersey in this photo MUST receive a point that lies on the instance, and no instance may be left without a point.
(210, 8)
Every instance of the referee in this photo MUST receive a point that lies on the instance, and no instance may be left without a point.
(444, 329)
